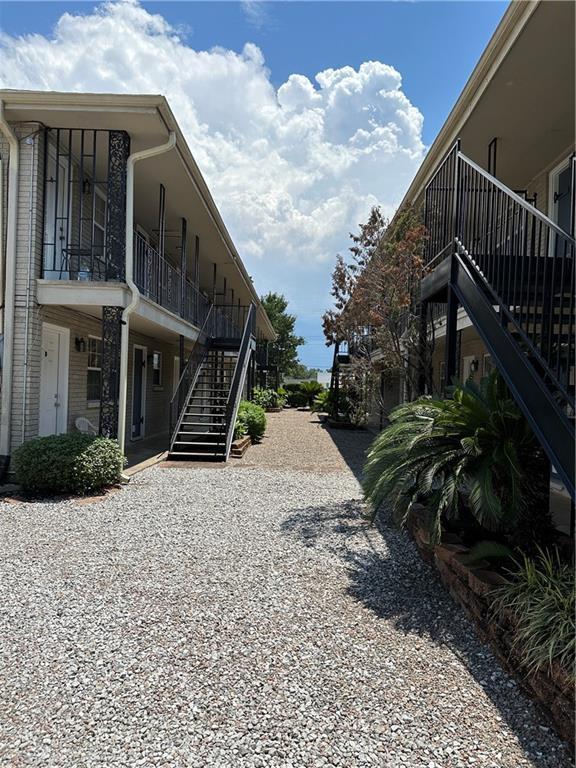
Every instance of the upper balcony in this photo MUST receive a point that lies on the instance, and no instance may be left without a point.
(182, 258)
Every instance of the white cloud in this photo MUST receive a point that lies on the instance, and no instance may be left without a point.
(255, 12)
(293, 170)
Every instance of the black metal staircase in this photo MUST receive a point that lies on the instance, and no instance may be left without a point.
(204, 407)
(512, 269)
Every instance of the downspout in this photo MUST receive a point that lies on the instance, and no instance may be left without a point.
(135, 293)
(9, 291)
(1, 246)
(29, 140)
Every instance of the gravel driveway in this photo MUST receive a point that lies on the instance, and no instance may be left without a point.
(243, 616)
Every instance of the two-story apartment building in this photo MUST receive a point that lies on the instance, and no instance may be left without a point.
(496, 191)
(118, 277)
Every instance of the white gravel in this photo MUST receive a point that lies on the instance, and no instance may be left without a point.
(241, 617)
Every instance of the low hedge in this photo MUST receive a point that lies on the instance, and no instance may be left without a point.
(73, 463)
(251, 420)
(297, 400)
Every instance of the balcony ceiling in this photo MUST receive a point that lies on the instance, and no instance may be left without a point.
(529, 103)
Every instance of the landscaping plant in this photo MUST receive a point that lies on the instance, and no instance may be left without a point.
(310, 389)
(473, 453)
(323, 402)
(251, 420)
(72, 463)
(268, 398)
(540, 596)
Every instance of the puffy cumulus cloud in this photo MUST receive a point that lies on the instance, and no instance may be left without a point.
(292, 169)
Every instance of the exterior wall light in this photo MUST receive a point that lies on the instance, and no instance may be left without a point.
(80, 344)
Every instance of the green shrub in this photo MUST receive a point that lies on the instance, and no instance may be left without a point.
(251, 420)
(540, 595)
(292, 387)
(268, 398)
(310, 389)
(472, 454)
(73, 463)
(323, 402)
(240, 429)
(297, 399)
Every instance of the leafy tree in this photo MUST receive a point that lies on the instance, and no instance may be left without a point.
(376, 301)
(285, 348)
(301, 371)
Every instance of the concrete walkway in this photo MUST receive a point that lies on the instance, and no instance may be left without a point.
(243, 616)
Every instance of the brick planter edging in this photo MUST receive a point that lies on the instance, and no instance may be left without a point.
(240, 446)
(470, 587)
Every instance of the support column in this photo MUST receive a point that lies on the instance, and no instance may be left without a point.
(197, 262)
(196, 281)
(423, 348)
(118, 152)
(181, 353)
(183, 266)
(110, 374)
(161, 241)
(451, 352)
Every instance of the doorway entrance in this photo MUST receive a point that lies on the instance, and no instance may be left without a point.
(55, 352)
(138, 392)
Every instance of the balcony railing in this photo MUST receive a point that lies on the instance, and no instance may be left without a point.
(526, 262)
(164, 284)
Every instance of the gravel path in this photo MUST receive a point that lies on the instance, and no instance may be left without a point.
(244, 616)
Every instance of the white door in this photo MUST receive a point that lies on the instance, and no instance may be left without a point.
(54, 380)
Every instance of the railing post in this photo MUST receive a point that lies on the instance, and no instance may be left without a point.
(451, 363)
(456, 200)
(161, 242)
(183, 268)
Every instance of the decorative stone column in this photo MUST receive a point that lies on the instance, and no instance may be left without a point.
(110, 374)
(118, 152)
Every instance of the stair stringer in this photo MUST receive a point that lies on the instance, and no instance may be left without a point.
(233, 407)
(551, 426)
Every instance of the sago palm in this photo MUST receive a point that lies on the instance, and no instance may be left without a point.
(475, 448)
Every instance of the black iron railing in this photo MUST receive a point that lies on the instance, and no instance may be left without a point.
(163, 283)
(439, 210)
(83, 211)
(217, 325)
(239, 375)
(526, 262)
(189, 375)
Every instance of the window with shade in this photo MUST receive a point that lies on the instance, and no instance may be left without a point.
(157, 369)
(94, 370)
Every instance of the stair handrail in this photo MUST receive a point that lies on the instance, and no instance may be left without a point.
(189, 375)
(235, 392)
(532, 210)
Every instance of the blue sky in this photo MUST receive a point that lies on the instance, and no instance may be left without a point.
(433, 46)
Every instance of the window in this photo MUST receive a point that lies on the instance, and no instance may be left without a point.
(157, 369)
(94, 370)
